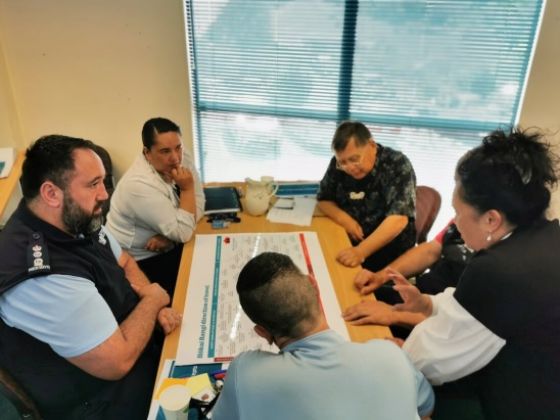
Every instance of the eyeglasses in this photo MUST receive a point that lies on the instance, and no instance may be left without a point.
(352, 161)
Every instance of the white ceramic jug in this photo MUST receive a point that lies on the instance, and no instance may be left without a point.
(258, 195)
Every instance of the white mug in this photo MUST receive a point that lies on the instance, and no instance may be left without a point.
(174, 401)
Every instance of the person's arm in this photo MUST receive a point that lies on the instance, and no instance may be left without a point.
(388, 230)
(114, 357)
(155, 209)
(132, 272)
(380, 313)
(167, 317)
(159, 243)
(340, 217)
(185, 181)
(199, 197)
(77, 323)
(192, 197)
(415, 260)
(418, 259)
(451, 343)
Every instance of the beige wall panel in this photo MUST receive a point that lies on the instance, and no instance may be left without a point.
(10, 133)
(96, 69)
(99, 69)
(541, 105)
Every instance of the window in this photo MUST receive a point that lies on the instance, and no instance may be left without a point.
(271, 79)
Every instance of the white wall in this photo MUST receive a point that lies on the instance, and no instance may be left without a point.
(94, 69)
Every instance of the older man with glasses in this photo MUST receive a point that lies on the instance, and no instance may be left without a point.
(370, 191)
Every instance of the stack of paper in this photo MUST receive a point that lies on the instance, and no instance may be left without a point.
(299, 212)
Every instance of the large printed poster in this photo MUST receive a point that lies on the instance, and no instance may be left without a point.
(214, 327)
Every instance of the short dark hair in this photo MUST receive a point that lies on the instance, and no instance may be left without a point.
(511, 171)
(348, 130)
(50, 158)
(155, 126)
(274, 293)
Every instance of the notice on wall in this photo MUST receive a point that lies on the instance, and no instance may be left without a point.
(214, 327)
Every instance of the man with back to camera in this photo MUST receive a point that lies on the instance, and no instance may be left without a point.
(304, 380)
(77, 314)
(370, 190)
(157, 203)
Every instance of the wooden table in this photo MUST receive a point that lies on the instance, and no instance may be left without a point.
(8, 184)
(332, 238)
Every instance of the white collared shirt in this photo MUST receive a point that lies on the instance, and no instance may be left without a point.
(451, 343)
(144, 205)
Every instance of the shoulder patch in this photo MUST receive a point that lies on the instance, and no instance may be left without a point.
(102, 237)
(38, 260)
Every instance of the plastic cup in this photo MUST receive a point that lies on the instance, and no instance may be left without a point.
(174, 401)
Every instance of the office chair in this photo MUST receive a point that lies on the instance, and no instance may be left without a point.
(428, 202)
(14, 401)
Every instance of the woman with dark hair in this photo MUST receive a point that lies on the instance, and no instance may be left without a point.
(500, 327)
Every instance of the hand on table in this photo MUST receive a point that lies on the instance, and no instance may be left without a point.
(154, 292)
(369, 312)
(159, 243)
(169, 319)
(350, 257)
(367, 281)
(353, 229)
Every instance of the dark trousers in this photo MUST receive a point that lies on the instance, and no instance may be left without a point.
(457, 400)
(163, 268)
(126, 398)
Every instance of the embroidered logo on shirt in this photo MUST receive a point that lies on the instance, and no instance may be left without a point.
(357, 195)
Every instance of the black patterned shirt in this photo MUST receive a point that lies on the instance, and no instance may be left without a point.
(390, 189)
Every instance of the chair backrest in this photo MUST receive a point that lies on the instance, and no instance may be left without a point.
(428, 202)
(15, 400)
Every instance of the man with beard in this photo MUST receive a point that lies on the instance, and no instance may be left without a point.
(77, 315)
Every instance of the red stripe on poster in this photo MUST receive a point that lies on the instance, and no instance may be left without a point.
(310, 267)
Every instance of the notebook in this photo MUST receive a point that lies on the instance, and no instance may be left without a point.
(221, 200)
(294, 189)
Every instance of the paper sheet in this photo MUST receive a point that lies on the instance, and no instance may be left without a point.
(299, 215)
(214, 327)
